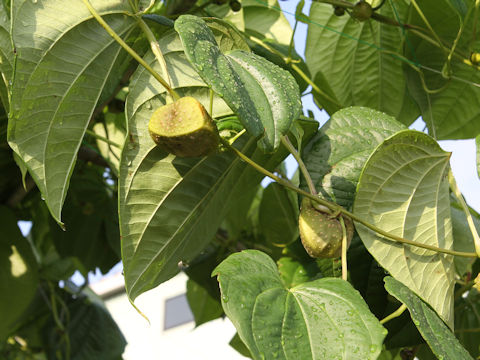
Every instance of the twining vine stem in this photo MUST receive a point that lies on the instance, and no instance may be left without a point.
(335, 208)
(286, 142)
(128, 49)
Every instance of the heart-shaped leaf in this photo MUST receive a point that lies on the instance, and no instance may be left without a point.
(403, 190)
(438, 336)
(321, 319)
(60, 75)
(354, 62)
(265, 97)
(336, 155)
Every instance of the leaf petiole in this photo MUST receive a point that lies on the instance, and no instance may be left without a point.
(395, 314)
(128, 49)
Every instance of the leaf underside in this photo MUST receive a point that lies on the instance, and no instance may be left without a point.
(63, 63)
(403, 190)
(336, 155)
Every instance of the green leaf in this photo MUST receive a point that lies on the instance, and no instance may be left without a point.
(462, 237)
(477, 142)
(60, 75)
(321, 319)
(403, 190)
(358, 63)
(204, 307)
(170, 208)
(293, 272)
(226, 35)
(18, 273)
(452, 112)
(467, 322)
(113, 129)
(278, 215)
(6, 56)
(336, 155)
(265, 97)
(92, 331)
(276, 52)
(438, 336)
(238, 345)
(265, 20)
(366, 276)
(89, 209)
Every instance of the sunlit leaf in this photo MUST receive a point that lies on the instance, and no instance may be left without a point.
(453, 110)
(6, 55)
(170, 208)
(63, 63)
(336, 155)
(264, 96)
(321, 319)
(355, 63)
(403, 190)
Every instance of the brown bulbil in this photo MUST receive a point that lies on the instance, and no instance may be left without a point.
(184, 128)
(362, 11)
(320, 233)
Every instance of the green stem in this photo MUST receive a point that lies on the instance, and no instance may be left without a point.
(104, 139)
(57, 321)
(344, 250)
(157, 52)
(425, 20)
(128, 49)
(286, 142)
(290, 46)
(337, 208)
(395, 314)
(471, 224)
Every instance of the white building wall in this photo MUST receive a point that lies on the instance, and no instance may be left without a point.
(150, 341)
